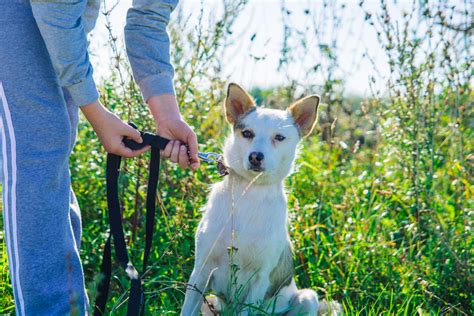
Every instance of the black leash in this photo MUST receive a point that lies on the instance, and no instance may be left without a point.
(136, 299)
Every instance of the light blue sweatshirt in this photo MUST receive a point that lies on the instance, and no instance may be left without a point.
(64, 25)
(45, 74)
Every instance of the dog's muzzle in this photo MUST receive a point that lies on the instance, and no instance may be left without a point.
(256, 161)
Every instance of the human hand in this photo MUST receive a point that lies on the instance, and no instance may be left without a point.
(110, 129)
(183, 147)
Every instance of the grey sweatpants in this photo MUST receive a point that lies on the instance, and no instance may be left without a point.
(37, 133)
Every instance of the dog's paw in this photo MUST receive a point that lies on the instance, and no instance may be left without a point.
(331, 308)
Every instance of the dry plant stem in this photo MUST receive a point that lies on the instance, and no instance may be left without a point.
(117, 53)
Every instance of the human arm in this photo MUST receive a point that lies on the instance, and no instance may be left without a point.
(171, 125)
(110, 129)
(61, 26)
(148, 49)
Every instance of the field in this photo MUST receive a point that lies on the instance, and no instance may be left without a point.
(381, 197)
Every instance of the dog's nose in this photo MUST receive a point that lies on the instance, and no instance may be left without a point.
(256, 158)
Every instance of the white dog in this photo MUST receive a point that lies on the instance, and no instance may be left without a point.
(243, 250)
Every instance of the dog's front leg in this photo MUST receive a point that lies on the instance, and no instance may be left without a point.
(195, 291)
(257, 291)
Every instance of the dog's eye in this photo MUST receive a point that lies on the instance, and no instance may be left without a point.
(279, 137)
(247, 134)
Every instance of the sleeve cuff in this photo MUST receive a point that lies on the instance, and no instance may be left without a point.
(157, 85)
(84, 92)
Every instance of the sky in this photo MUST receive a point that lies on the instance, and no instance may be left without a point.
(264, 18)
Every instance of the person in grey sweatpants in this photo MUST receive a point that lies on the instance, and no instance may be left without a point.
(45, 78)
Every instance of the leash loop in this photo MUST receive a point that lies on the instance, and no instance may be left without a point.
(136, 298)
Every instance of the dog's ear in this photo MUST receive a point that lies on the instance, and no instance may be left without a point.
(237, 103)
(305, 114)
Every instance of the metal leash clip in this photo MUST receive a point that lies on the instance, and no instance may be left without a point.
(215, 158)
(209, 157)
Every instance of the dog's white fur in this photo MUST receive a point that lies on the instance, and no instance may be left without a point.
(245, 221)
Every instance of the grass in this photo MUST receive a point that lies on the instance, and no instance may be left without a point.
(356, 239)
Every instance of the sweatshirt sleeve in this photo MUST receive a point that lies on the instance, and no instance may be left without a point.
(148, 46)
(61, 25)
